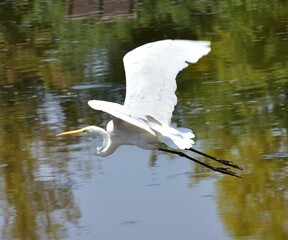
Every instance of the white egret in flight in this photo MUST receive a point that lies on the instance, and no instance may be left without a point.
(144, 119)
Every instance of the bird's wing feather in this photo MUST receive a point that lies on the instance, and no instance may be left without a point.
(118, 111)
(151, 72)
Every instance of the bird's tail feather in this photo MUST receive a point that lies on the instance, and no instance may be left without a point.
(174, 137)
(177, 142)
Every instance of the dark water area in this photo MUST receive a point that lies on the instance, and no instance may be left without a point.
(57, 55)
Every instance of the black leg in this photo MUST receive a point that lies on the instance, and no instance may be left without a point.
(225, 162)
(217, 169)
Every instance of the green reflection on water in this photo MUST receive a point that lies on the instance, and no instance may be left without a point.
(236, 102)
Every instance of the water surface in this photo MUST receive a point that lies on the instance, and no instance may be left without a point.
(57, 55)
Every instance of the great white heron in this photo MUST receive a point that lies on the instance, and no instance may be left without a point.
(144, 119)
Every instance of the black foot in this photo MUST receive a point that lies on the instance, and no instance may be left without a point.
(222, 170)
(225, 162)
(229, 163)
(226, 171)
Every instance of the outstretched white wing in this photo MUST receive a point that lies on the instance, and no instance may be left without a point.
(118, 111)
(151, 72)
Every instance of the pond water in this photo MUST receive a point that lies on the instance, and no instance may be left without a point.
(57, 55)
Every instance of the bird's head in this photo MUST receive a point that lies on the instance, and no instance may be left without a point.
(100, 139)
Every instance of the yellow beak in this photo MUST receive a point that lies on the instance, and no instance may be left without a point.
(74, 132)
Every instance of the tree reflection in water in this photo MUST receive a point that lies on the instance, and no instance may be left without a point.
(235, 100)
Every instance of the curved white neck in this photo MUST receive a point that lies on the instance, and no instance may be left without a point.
(101, 144)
